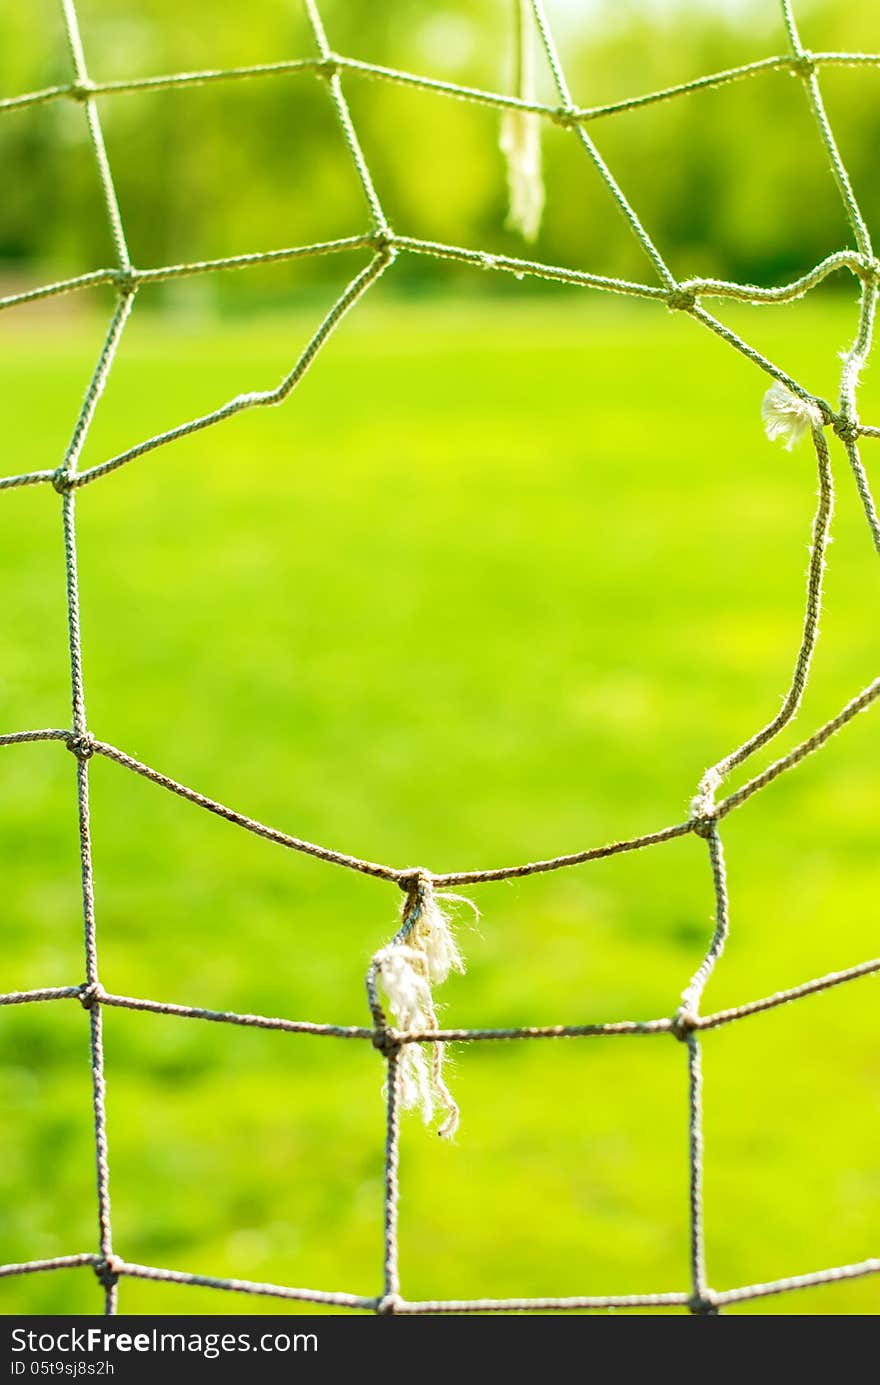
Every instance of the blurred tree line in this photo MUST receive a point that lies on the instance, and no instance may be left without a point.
(731, 181)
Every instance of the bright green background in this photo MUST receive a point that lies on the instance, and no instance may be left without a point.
(499, 582)
(496, 585)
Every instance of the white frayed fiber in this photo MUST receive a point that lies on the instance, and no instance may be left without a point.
(787, 415)
(521, 136)
(422, 955)
(432, 934)
(403, 974)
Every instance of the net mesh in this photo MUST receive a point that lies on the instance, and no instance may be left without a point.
(384, 245)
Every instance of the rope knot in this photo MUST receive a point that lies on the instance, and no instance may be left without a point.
(804, 65)
(846, 429)
(90, 993)
(385, 242)
(330, 67)
(415, 879)
(126, 280)
(80, 91)
(62, 480)
(81, 745)
(704, 825)
(681, 298)
(387, 1042)
(388, 1305)
(565, 116)
(684, 1022)
(108, 1271)
(704, 1305)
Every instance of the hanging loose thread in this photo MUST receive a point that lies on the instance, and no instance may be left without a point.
(420, 956)
(521, 134)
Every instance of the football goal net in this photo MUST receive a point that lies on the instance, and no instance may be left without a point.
(400, 1019)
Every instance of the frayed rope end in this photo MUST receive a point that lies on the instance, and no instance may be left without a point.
(787, 415)
(521, 147)
(423, 953)
(521, 134)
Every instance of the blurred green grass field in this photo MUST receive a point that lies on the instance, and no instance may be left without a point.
(498, 582)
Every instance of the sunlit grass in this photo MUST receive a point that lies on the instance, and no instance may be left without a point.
(497, 583)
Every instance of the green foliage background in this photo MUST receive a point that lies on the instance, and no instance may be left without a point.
(507, 573)
(730, 182)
